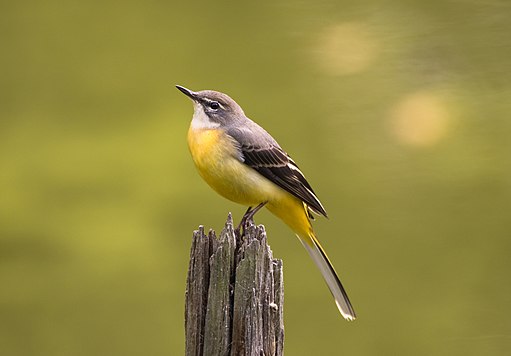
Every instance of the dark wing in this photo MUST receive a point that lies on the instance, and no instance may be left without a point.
(275, 164)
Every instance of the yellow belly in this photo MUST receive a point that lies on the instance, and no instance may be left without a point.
(216, 158)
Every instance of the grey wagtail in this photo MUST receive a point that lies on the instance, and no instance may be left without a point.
(244, 164)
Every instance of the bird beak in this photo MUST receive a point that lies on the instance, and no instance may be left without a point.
(191, 94)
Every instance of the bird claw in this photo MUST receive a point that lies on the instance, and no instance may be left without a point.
(247, 219)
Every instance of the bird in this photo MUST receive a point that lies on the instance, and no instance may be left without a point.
(243, 163)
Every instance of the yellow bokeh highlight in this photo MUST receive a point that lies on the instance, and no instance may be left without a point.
(346, 48)
(420, 119)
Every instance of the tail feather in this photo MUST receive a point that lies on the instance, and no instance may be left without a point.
(321, 260)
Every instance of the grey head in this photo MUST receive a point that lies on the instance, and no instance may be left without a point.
(213, 106)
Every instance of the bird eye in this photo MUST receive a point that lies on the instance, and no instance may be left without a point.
(214, 105)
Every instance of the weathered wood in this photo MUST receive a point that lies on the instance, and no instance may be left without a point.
(217, 332)
(234, 302)
(196, 292)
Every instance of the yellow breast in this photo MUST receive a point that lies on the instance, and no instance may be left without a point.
(218, 161)
(211, 150)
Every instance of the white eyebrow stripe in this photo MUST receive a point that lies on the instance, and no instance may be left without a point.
(210, 101)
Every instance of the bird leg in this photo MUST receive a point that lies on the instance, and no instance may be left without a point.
(248, 216)
(243, 220)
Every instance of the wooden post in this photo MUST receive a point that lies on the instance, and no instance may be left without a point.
(234, 295)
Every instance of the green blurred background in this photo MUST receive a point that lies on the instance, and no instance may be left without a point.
(397, 112)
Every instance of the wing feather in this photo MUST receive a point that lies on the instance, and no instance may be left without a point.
(271, 161)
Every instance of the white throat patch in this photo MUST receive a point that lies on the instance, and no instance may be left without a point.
(200, 120)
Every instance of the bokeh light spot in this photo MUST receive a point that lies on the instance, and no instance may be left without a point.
(346, 48)
(420, 119)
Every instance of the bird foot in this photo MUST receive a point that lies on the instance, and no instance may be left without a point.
(247, 218)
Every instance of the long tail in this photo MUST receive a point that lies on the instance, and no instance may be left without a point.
(321, 260)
